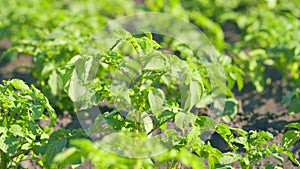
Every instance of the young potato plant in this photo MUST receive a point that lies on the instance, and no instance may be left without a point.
(155, 84)
(21, 137)
(153, 90)
(270, 41)
(256, 146)
(289, 138)
(53, 32)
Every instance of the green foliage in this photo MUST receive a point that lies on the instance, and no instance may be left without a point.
(20, 135)
(189, 152)
(289, 138)
(256, 144)
(294, 100)
(54, 34)
(270, 31)
(144, 95)
(57, 141)
(88, 149)
(146, 79)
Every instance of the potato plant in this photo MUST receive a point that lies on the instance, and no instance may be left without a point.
(21, 137)
(148, 73)
(146, 95)
(271, 40)
(256, 145)
(289, 138)
(191, 150)
(51, 34)
(54, 37)
(137, 76)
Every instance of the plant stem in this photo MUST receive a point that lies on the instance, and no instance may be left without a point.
(137, 119)
(3, 160)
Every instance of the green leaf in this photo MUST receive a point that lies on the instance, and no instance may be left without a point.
(194, 136)
(265, 135)
(164, 116)
(288, 97)
(156, 63)
(148, 124)
(148, 34)
(67, 157)
(206, 122)
(189, 159)
(292, 157)
(76, 89)
(294, 106)
(39, 149)
(51, 112)
(16, 130)
(26, 146)
(3, 145)
(74, 60)
(183, 120)
(53, 148)
(156, 99)
(240, 140)
(239, 78)
(188, 97)
(278, 157)
(37, 111)
(242, 132)
(8, 143)
(205, 100)
(223, 130)
(289, 138)
(19, 84)
(294, 125)
(33, 127)
(194, 94)
(214, 155)
(84, 144)
(229, 158)
(47, 68)
(55, 83)
(230, 110)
